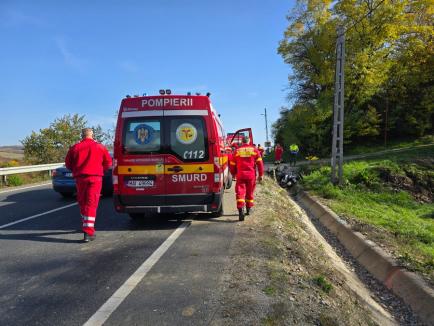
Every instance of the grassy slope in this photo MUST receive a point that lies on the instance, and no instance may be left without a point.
(396, 144)
(385, 212)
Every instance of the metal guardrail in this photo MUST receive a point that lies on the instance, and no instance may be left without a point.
(4, 172)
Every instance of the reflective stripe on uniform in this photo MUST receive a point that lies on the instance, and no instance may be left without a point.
(246, 152)
(241, 200)
(88, 218)
(233, 163)
(249, 200)
(88, 225)
(259, 159)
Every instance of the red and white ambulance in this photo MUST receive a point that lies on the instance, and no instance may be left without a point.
(169, 156)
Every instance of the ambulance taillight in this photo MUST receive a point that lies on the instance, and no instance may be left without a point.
(115, 177)
(217, 169)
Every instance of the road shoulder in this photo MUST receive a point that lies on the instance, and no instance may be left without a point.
(280, 272)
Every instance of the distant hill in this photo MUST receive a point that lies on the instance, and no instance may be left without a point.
(12, 148)
(14, 152)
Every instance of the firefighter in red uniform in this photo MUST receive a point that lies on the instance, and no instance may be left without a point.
(88, 160)
(278, 151)
(243, 164)
(261, 150)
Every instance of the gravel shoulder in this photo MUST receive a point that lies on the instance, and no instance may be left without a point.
(282, 272)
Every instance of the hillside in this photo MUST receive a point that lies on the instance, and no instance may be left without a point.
(8, 153)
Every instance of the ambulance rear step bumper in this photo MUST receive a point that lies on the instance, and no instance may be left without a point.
(167, 204)
(167, 209)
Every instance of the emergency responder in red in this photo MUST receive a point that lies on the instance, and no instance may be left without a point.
(243, 165)
(261, 150)
(88, 160)
(278, 151)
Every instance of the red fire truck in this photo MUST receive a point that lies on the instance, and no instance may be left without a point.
(169, 156)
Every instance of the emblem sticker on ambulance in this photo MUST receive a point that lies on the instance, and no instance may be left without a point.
(143, 134)
(186, 133)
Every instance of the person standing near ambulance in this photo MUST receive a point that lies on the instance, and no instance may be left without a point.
(278, 151)
(88, 160)
(243, 165)
(261, 150)
(293, 152)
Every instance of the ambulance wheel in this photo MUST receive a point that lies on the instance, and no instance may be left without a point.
(220, 211)
(229, 183)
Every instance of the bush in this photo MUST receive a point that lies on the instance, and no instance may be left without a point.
(323, 283)
(317, 179)
(15, 180)
(330, 191)
(9, 164)
(428, 139)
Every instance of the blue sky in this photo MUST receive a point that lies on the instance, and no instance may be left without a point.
(60, 57)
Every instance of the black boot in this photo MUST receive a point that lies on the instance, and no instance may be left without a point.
(88, 237)
(240, 214)
(248, 210)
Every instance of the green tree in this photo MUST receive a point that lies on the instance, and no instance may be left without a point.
(51, 144)
(388, 71)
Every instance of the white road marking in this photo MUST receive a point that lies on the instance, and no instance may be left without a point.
(35, 216)
(23, 188)
(119, 296)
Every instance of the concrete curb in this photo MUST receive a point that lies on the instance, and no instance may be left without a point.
(408, 286)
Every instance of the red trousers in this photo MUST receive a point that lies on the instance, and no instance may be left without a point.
(88, 193)
(244, 190)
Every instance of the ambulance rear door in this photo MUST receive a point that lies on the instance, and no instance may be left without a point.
(189, 164)
(238, 136)
(141, 170)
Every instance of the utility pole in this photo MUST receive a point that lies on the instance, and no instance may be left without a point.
(267, 143)
(266, 125)
(338, 111)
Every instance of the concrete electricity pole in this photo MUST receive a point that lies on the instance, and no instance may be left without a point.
(338, 111)
(267, 142)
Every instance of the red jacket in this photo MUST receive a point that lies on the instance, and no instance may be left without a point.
(278, 153)
(88, 158)
(244, 162)
(261, 150)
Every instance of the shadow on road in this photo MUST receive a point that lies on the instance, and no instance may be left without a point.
(41, 237)
(30, 202)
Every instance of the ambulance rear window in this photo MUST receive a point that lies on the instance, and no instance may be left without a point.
(142, 135)
(188, 139)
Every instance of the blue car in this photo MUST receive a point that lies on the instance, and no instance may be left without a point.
(64, 183)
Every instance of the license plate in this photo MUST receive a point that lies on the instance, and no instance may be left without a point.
(68, 174)
(140, 183)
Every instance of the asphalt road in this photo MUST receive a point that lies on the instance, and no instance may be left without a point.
(49, 277)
